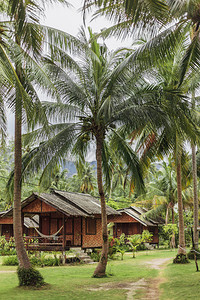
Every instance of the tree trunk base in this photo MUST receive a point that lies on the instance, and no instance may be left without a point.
(30, 277)
(99, 275)
(181, 259)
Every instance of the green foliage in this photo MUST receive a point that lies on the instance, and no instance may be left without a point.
(134, 242)
(42, 261)
(168, 231)
(137, 240)
(30, 277)
(181, 259)
(7, 247)
(120, 245)
(10, 261)
(45, 261)
(146, 236)
(95, 255)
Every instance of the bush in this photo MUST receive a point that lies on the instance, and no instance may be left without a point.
(7, 247)
(35, 261)
(95, 256)
(10, 261)
(29, 277)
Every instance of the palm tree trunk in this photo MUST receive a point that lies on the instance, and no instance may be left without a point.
(100, 270)
(17, 218)
(195, 201)
(181, 249)
(167, 214)
(173, 234)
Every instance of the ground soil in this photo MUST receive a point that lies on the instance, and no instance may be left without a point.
(142, 289)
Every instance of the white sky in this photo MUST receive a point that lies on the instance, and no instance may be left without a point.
(70, 19)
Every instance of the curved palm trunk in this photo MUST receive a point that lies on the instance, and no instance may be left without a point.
(195, 201)
(17, 218)
(181, 249)
(100, 270)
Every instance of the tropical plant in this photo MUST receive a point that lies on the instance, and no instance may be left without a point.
(20, 51)
(178, 107)
(134, 241)
(86, 176)
(98, 95)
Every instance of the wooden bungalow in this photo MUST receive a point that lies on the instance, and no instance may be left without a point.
(132, 221)
(58, 221)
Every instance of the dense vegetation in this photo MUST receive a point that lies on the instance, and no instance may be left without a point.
(135, 107)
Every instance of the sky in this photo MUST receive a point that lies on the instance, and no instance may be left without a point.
(70, 19)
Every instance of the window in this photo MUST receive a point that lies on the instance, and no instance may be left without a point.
(91, 226)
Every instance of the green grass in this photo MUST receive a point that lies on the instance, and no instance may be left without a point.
(183, 282)
(74, 282)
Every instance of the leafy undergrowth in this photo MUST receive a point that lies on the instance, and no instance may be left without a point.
(74, 282)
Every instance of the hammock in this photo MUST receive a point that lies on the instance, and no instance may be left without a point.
(48, 236)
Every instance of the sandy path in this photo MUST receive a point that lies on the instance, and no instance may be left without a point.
(150, 287)
(2, 272)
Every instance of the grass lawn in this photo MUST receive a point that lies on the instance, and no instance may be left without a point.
(74, 282)
(183, 282)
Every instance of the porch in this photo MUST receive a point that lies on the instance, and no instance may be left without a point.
(55, 232)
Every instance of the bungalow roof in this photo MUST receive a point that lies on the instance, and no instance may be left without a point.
(85, 202)
(138, 214)
(71, 204)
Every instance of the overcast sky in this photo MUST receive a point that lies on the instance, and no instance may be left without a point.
(70, 19)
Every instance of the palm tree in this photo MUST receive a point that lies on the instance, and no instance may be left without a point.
(178, 108)
(86, 176)
(161, 190)
(101, 102)
(20, 51)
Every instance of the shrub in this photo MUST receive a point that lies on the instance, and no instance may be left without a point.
(10, 261)
(7, 247)
(29, 277)
(35, 261)
(95, 256)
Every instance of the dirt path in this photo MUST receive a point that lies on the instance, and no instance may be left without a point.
(2, 272)
(149, 288)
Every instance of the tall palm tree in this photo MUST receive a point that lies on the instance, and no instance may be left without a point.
(101, 101)
(20, 52)
(178, 107)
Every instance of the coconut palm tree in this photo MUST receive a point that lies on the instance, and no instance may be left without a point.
(161, 190)
(101, 101)
(86, 176)
(176, 101)
(20, 52)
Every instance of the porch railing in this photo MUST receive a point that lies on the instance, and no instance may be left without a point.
(41, 243)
